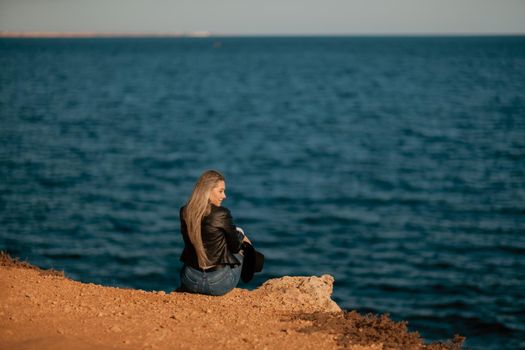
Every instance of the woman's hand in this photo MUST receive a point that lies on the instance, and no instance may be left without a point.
(245, 238)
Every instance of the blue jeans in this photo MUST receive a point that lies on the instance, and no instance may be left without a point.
(217, 282)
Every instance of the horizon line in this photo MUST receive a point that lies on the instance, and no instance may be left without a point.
(207, 34)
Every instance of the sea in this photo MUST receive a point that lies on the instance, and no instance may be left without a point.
(394, 164)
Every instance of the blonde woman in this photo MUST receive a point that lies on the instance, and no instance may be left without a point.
(212, 243)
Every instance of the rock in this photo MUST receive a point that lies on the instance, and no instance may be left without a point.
(289, 312)
(161, 292)
(305, 293)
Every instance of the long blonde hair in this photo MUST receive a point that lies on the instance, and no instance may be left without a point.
(197, 207)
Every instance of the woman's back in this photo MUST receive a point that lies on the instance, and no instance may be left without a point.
(220, 238)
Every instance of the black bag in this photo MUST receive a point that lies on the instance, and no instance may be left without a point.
(253, 262)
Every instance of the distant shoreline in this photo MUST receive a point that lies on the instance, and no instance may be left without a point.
(199, 34)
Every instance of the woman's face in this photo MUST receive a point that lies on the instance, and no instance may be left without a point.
(217, 194)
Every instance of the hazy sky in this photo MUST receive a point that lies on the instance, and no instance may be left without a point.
(266, 16)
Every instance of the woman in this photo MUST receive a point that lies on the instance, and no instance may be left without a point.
(212, 244)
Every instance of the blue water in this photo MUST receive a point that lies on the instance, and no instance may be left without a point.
(395, 164)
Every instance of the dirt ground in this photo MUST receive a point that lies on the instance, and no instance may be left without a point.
(41, 309)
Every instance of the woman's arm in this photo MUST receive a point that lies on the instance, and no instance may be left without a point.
(234, 238)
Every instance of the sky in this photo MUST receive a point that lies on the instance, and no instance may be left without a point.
(266, 17)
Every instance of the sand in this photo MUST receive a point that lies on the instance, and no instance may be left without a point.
(42, 309)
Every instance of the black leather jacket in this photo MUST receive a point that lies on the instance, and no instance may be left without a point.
(219, 237)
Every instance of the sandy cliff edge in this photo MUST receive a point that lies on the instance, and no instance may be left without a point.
(41, 309)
